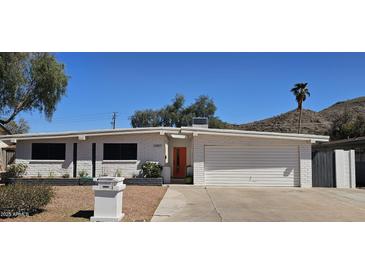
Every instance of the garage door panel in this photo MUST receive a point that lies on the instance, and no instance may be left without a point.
(250, 177)
(254, 183)
(256, 180)
(279, 149)
(248, 165)
(243, 165)
(258, 151)
(281, 174)
(239, 162)
(237, 153)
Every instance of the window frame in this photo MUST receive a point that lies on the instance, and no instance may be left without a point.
(51, 155)
(118, 150)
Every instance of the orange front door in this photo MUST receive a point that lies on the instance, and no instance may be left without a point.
(179, 170)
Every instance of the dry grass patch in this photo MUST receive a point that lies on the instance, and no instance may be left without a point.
(76, 203)
(140, 202)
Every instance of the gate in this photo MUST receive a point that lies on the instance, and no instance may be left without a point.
(360, 174)
(9, 157)
(323, 169)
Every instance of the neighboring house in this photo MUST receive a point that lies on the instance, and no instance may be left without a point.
(357, 144)
(7, 152)
(211, 156)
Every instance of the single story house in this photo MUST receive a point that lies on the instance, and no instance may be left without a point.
(211, 156)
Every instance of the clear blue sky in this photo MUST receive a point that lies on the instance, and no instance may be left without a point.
(244, 86)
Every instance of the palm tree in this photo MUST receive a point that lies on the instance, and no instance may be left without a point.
(300, 91)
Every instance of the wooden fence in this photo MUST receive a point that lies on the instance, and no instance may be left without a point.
(9, 157)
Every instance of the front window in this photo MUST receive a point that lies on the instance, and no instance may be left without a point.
(120, 151)
(48, 151)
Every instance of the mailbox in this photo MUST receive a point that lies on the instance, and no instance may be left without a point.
(109, 182)
(108, 199)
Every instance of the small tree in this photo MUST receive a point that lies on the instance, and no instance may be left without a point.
(347, 126)
(145, 118)
(30, 81)
(301, 93)
(19, 127)
(14, 171)
(359, 126)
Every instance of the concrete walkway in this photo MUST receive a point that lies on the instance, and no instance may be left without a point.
(192, 203)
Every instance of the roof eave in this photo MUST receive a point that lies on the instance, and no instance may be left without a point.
(255, 134)
(76, 134)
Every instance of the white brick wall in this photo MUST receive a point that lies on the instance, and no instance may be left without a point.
(44, 168)
(305, 156)
(113, 168)
(198, 155)
(150, 147)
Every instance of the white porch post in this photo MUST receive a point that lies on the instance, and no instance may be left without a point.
(305, 165)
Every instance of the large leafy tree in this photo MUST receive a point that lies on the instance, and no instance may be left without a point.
(146, 118)
(30, 81)
(202, 107)
(170, 115)
(177, 115)
(301, 92)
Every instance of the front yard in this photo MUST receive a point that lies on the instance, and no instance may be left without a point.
(76, 203)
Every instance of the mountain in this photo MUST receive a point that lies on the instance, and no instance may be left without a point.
(354, 106)
(312, 122)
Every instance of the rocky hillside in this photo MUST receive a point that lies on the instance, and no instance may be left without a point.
(354, 106)
(312, 122)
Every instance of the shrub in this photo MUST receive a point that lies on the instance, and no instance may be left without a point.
(118, 173)
(14, 171)
(188, 179)
(66, 176)
(83, 174)
(151, 169)
(18, 199)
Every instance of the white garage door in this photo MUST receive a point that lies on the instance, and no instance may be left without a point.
(252, 165)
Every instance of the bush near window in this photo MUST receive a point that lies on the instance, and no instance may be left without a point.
(14, 171)
(18, 199)
(83, 174)
(151, 170)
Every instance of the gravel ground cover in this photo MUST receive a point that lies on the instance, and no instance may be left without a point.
(76, 203)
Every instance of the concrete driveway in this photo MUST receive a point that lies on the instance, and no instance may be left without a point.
(192, 203)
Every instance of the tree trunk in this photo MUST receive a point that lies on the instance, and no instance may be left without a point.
(300, 120)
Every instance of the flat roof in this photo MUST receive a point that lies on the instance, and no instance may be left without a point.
(345, 143)
(163, 130)
(97, 132)
(247, 133)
